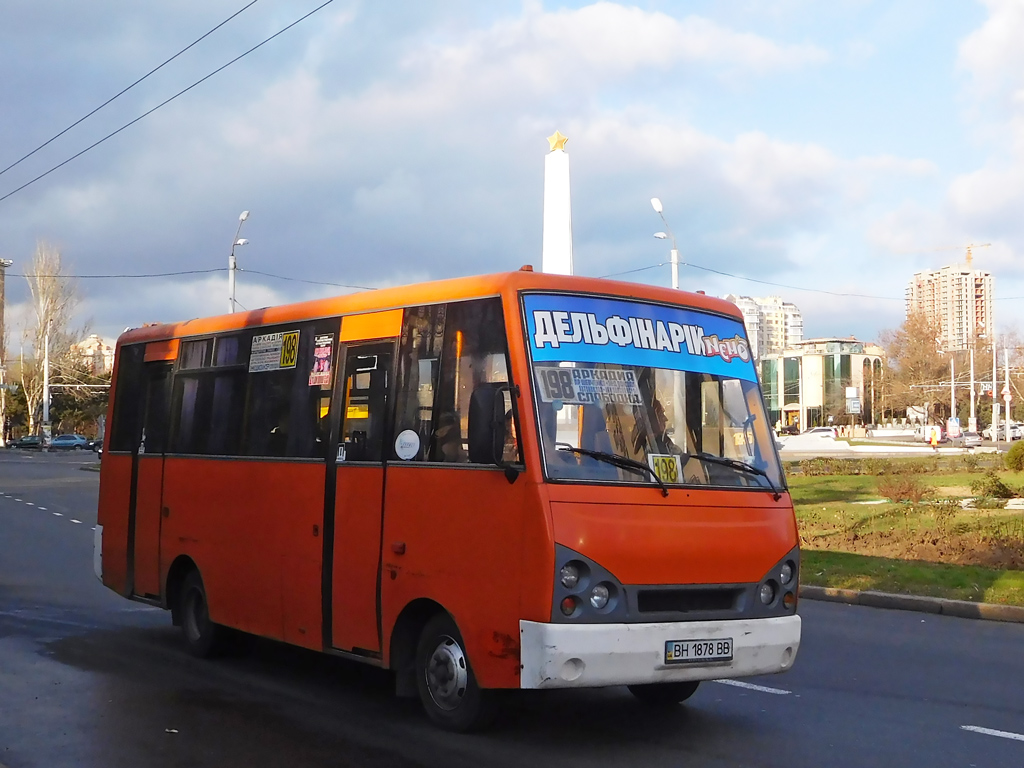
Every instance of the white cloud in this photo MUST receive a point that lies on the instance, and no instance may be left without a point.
(990, 199)
(993, 54)
(598, 43)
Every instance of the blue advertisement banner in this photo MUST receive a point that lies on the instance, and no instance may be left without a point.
(585, 329)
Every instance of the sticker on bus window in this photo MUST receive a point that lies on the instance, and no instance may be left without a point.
(320, 375)
(407, 445)
(274, 351)
(666, 466)
(588, 386)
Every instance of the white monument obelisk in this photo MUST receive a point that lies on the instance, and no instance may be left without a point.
(556, 254)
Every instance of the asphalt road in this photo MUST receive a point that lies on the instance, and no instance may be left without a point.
(89, 679)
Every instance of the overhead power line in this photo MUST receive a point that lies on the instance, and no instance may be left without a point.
(165, 103)
(311, 282)
(127, 277)
(779, 285)
(82, 119)
(755, 280)
(196, 272)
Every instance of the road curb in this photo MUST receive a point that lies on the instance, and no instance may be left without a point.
(963, 609)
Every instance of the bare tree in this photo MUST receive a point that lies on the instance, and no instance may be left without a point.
(914, 364)
(54, 299)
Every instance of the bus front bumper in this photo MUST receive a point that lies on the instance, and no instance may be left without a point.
(596, 655)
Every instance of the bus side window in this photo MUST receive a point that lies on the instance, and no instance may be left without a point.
(419, 355)
(475, 353)
(128, 400)
(287, 407)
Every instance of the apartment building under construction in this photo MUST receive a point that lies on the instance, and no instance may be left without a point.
(956, 298)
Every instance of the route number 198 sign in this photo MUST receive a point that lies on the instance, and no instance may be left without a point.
(666, 466)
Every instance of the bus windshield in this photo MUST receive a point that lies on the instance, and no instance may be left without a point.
(633, 392)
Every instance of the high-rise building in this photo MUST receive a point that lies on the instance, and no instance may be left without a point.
(772, 324)
(957, 299)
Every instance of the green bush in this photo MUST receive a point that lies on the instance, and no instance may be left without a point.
(990, 486)
(822, 466)
(970, 461)
(984, 502)
(1015, 457)
(879, 467)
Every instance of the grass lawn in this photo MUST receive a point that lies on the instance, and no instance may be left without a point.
(957, 582)
(934, 548)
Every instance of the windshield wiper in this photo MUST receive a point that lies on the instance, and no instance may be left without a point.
(616, 460)
(740, 465)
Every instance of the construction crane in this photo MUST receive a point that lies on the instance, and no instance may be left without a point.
(969, 257)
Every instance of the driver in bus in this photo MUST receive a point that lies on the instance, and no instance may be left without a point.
(660, 441)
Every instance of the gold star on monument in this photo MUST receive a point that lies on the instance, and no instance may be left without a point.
(557, 141)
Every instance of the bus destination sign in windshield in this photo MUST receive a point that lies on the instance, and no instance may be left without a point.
(565, 328)
(588, 386)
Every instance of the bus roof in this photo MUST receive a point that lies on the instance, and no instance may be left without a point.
(424, 293)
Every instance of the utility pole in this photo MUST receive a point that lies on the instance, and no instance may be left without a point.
(4, 264)
(952, 390)
(972, 421)
(1006, 390)
(995, 389)
(45, 441)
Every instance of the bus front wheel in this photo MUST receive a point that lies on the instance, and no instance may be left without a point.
(203, 638)
(664, 694)
(444, 679)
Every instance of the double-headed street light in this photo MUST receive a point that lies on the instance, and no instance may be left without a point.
(232, 264)
(667, 235)
(677, 384)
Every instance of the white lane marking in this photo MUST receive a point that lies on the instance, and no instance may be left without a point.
(752, 687)
(30, 503)
(990, 732)
(76, 521)
(17, 499)
(43, 508)
(58, 514)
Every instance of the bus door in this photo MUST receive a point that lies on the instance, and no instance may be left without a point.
(359, 497)
(148, 479)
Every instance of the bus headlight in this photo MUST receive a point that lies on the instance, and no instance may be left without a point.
(599, 596)
(786, 573)
(767, 593)
(569, 576)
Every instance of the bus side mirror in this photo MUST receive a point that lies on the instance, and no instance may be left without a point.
(487, 409)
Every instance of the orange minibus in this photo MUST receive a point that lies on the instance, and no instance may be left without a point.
(519, 480)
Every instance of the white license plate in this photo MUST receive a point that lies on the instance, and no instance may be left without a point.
(698, 651)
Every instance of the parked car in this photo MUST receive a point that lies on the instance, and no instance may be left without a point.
(822, 432)
(69, 443)
(1015, 432)
(28, 441)
(968, 440)
(96, 446)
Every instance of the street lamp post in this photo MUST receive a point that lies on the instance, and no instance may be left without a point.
(677, 389)
(232, 263)
(667, 235)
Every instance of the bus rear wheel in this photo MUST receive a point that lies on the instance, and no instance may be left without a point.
(203, 638)
(665, 694)
(444, 679)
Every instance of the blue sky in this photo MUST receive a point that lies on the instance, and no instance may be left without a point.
(827, 146)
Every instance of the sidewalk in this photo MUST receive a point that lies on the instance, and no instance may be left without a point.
(963, 609)
(816, 445)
